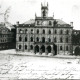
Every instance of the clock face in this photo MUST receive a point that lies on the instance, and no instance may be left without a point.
(44, 23)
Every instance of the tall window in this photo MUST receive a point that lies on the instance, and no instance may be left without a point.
(61, 31)
(37, 39)
(37, 22)
(20, 39)
(26, 31)
(66, 48)
(31, 47)
(43, 39)
(61, 40)
(25, 38)
(67, 32)
(25, 46)
(19, 46)
(55, 31)
(55, 40)
(31, 39)
(31, 31)
(61, 48)
(37, 31)
(43, 31)
(49, 31)
(67, 39)
(49, 39)
(50, 23)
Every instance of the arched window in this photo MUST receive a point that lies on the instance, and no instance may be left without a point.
(19, 46)
(31, 47)
(43, 31)
(25, 46)
(26, 31)
(31, 31)
(55, 40)
(43, 39)
(61, 40)
(20, 31)
(20, 39)
(61, 31)
(49, 39)
(37, 39)
(55, 31)
(66, 48)
(49, 31)
(31, 39)
(60, 47)
(67, 39)
(37, 31)
(67, 31)
(25, 38)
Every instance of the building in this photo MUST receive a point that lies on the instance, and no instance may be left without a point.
(6, 37)
(44, 35)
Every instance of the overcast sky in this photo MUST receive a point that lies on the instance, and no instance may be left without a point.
(23, 10)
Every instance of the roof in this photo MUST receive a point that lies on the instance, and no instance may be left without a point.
(59, 22)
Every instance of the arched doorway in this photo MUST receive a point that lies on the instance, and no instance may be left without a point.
(42, 48)
(55, 49)
(36, 48)
(49, 49)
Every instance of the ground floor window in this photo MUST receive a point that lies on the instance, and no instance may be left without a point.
(25, 46)
(61, 48)
(66, 48)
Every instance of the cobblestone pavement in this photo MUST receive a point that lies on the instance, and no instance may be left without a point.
(28, 67)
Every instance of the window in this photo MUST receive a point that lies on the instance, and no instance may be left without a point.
(61, 40)
(26, 31)
(43, 31)
(55, 40)
(25, 46)
(37, 22)
(61, 31)
(66, 48)
(49, 31)
(37, 31)
(60, 47)
(20, 31)
(25, 38)
(49, 39)
(31, 47)
(55, 31)
(19, 46)
(67, 39)
(31, 31)
(20, 39)
(43, 39)
(37, 39)
(67, 32)
(31, 39)
(49, 22)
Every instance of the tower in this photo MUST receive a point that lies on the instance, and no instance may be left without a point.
(44, 10)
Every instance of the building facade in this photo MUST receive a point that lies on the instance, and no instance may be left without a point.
(44, 35)
(6, 38)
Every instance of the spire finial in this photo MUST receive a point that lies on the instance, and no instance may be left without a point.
(35, 15)
(53, 15)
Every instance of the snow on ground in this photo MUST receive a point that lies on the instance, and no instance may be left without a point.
(14, 66)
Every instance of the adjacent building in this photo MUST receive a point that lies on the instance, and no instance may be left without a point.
(44, 35)
(7, 39)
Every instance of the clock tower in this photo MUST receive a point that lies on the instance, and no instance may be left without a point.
(44, 10)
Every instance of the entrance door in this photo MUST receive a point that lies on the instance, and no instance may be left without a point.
(55, 49)
(49, 49)
(43, 48)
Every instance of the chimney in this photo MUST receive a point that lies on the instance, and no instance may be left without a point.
(17, 23)
(71, 23)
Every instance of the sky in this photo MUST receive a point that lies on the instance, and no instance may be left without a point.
(24, 10)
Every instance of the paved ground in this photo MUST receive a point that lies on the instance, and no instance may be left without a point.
(30, 67)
